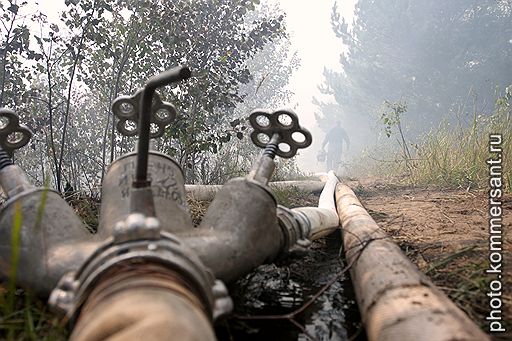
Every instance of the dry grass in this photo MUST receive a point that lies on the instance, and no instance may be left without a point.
(456, 155)
(451, 155)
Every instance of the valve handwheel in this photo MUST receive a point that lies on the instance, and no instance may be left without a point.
(278, 132)
(13, 135)
(126, 109)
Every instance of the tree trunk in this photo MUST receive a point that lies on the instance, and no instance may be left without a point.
(4, 60)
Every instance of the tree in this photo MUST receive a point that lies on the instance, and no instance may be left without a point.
(214, 38)
(14, 42)
(104, 48)
(428, 54)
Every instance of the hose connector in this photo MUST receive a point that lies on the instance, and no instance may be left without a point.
(295, 227)
(139, 254)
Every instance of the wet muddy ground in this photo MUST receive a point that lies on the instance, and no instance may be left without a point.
(265, 296)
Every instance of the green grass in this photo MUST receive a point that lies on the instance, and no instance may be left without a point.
(456, 155)
(25, 317)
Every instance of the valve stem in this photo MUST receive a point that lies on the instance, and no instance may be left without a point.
(5, 159)
(272, 147)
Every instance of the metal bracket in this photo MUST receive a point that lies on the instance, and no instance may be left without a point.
(13, 135)
(127, 110)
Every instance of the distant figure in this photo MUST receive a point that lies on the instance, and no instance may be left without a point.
(335, 138)
(68, 189)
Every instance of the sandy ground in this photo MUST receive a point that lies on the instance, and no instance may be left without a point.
(446, 234)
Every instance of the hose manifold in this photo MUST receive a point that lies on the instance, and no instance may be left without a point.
(136, 256)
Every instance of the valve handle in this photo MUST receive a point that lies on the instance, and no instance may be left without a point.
(127, 110)
(13, 135)
(278, 132)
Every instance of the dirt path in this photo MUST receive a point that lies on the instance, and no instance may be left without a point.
(446, 234)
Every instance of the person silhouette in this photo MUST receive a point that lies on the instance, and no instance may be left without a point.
(334, 139)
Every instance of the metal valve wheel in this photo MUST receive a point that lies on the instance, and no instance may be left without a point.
(127, 110)
(279, 132)
(13, 135)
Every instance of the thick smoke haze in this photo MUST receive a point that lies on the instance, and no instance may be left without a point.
(439, 60)
(356, 62)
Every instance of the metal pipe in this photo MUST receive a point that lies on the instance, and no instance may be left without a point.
(53, 240)
(239, 231)
(167, 180)
(173, 75)
(207, 192)
(5, 159)
(13, 180)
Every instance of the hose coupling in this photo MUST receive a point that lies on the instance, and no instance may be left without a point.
(140, 255)
(296, 228)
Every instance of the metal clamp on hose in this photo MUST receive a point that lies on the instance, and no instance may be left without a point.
(155, 259)
(295, 226)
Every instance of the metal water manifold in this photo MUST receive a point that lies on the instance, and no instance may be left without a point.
(146, 248)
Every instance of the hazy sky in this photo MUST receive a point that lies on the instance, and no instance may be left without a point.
(309, 24)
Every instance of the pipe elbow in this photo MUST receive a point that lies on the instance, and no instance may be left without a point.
(239, 232)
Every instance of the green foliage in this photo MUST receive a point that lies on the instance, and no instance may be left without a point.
(103, 48)
(14, 47)
(456, 155)
(391, 115)
(30, 320)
